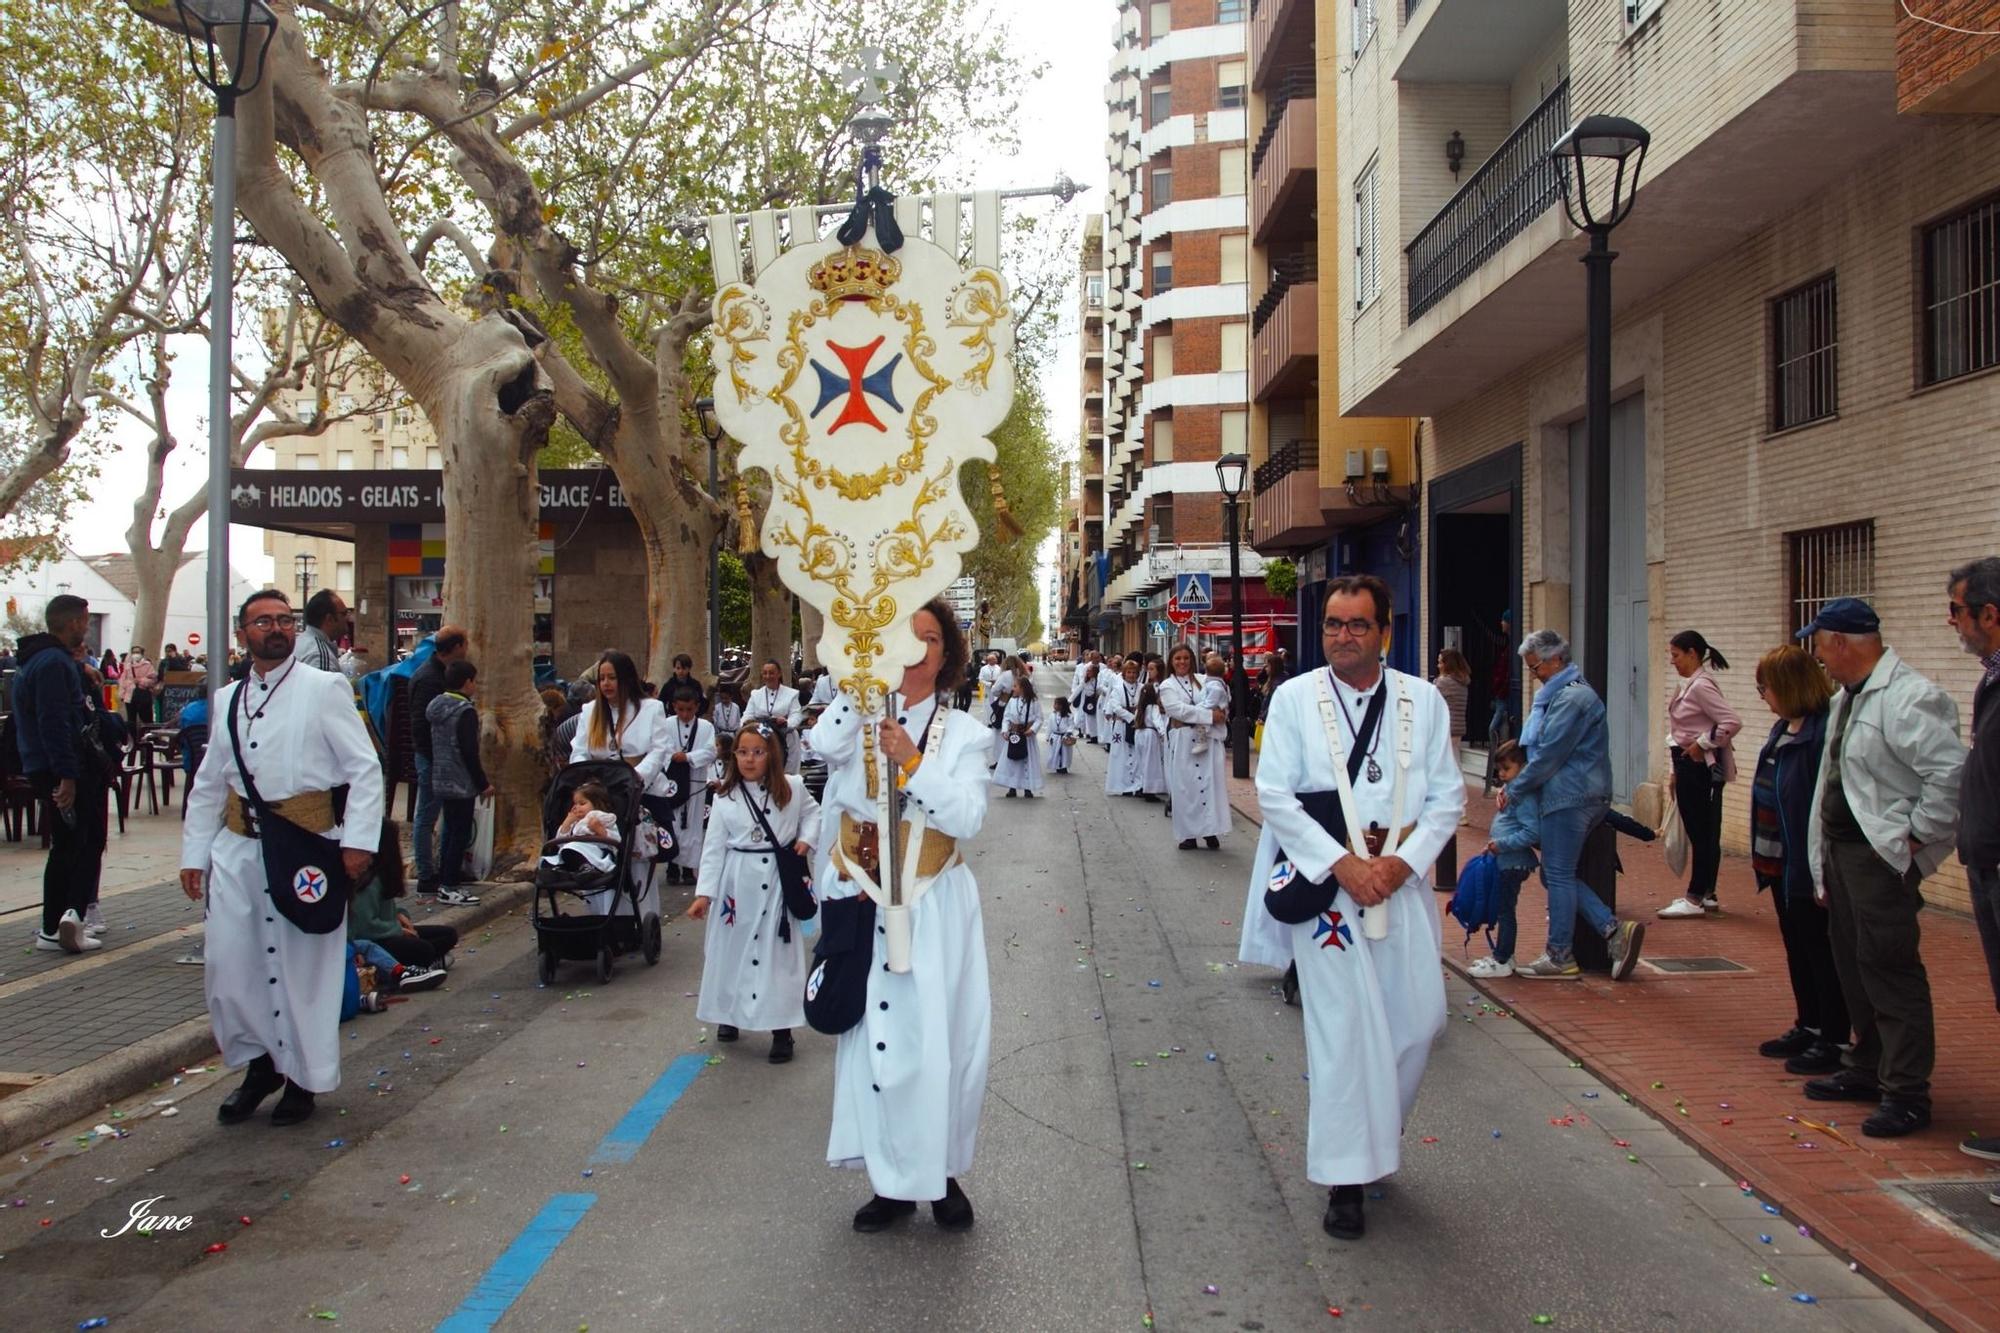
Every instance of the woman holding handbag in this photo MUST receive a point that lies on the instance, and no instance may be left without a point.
(1020, 766)
(1701, 727)
(754, 963)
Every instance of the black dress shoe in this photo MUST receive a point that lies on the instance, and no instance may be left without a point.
(1150, 798)
(954, 1211)
(1893, 1119)
(1822, 1057)
(781, 1046)
(1343, 1219)
(296, 1105)
(1290, 985)
(1214, 843)
(1792, 1043)
(879, 1213)
(724, 1032)
(1849, 1085)
(259, 1081)
(1187, 844)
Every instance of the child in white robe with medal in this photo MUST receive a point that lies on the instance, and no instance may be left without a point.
(1368, 971)
(1062, 731)
(753, 971)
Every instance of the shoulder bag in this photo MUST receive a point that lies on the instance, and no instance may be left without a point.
(794, 871)
(303, 870)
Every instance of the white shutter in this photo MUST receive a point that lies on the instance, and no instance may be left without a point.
(1367, 251)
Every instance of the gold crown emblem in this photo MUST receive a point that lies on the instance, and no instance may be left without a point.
(858, 274)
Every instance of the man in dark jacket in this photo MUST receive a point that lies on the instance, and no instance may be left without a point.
(1975, 615)
(66, 769)
(448, 645)
(453, 724)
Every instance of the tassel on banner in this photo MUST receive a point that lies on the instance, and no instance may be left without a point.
(1010, 529)
(746, 526)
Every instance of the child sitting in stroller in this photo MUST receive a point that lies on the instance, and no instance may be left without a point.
(589, 832)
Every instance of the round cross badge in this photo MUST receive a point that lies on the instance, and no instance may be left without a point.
(1283, 872)
(813, 982)
(309, 884)
(673, 788)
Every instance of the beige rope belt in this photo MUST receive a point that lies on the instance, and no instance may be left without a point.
(939, 852)
(310, 810)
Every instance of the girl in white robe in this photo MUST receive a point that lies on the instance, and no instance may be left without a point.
(1149, 740)
(1120, 708)
(1022, 717)
(1083, 702)
(1108, 682)
(753, 972)
(1003, 692)
(1196, 745)
(690, 740)
(910, 1078)
(1062, 732)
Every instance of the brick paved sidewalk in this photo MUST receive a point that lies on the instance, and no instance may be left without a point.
(1685, 1048)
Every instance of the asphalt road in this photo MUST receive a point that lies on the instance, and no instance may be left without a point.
(1121, 1170)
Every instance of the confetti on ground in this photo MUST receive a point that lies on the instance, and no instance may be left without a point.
(402, 1180)
(243, 1221)
(1771, 1208)
(1545, 1319)
(1805, 1231)
(1210, 1057)
(1620, 1143)
(1211, 1290)
(1764, 1239)
(1333, 1310)
(99, 1322)
(1805, 1298)
(336, 1143)
(1496, 1133)
(1430, 1138)
(1767, 1279)
(217, 1248)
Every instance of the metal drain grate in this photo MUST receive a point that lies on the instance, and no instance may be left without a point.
(1681, 966)
(1961, 1205)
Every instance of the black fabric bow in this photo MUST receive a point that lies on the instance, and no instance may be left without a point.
(877, 204)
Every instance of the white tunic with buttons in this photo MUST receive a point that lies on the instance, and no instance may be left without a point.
(1149, 750)
(1118, 705)
(910, 1079)
(749, 977)
(273, 989)
(1024, 774)
(1062, 727)
(1372, 1007)
(780, 705)
(1201, 800)
(698, 743)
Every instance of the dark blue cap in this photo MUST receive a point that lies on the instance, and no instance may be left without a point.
(1844, 615)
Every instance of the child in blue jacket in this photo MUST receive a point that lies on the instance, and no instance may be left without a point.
(1516, 832)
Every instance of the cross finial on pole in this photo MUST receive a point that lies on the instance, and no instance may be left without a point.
(870, 79)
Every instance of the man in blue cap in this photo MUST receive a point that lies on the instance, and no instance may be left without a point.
(1884, 814)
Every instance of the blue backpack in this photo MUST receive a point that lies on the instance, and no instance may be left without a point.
(1476, 903)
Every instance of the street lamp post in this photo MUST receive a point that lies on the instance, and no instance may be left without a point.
(1610, 142)
(305, 562)
(1231, 471)
(229, 71)
(711, 430)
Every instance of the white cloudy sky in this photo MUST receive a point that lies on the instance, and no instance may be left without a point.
(1062, 129)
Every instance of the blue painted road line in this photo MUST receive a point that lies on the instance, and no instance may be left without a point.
(622, 1144)
(516, 1268)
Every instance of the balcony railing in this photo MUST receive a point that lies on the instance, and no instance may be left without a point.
(1286, 459)
(1285, 351)
(1514, 187)
(1298, 83)
(1286, 274)
(1280, 34)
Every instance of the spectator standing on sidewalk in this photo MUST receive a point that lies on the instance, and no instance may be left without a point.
(1975, 615)
(326, 620)
(1884, 814)
(448, 645)
(1454, 682)
(142, 679)
(1569, 763)
(1701, 727)
(456, 775)
(64, 765)
(1794, 687)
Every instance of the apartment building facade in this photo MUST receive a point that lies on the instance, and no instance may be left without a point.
(1175, 366)
(1806, 326)
(1082, 590)
(1335, 495)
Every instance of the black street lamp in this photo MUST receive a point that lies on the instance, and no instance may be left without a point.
(1231, 471)
(1601, 147)
(227, 41)
(305, 562)
(711, 430)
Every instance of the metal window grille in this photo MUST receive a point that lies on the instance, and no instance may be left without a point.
(1367, 252)
(1830, 562)
(1961, 258)
(1364, 23)
(1805, 355)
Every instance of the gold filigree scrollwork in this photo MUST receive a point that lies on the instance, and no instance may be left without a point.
(979, 303)
(742, 317)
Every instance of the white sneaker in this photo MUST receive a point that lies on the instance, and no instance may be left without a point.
(1492, 967)
(1682, 907)
(49, 943)
(93, 921)
(456, 898)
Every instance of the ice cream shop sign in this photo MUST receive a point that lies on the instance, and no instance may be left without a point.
(302, 501)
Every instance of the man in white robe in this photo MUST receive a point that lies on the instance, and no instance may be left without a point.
(1118, 706)
(1108, 681)
(1083, 690)
(274, 991)
(1372, 1005)
(690, 741)
(778, 704)
(1197, 711)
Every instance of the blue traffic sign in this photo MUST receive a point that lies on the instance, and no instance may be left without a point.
(1160, 629)
(1195, 592)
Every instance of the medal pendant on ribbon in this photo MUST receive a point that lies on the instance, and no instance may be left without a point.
(1374, 771)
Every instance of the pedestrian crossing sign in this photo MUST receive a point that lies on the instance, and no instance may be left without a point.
(1159, 628)
(1195, 592)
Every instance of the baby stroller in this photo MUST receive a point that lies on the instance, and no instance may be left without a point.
(581, 912)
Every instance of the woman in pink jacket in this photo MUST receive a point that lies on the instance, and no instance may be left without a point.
(1701, 727)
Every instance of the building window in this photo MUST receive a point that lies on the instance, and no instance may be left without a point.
(1961, 257)
(343, 460)
(347, 404)
(1230, 168)
(1229, 83)
(1162, 431)
(1638, 11)
(1827, 563)
(1162, 355)
(1805, 364)
(1163, 271)
(1229, 11)
(1367, 250)
(1163, 521)
(1159, 104)
(375, 421)
(343, 575)
(1364, 23)
(1236, 432)
(1093, 291)
(399, 456)
(306, 463)
(1235, 346)
(1160, 20)
(434, 458)
(308, 410)
(1160, 187)
(1235, 258)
